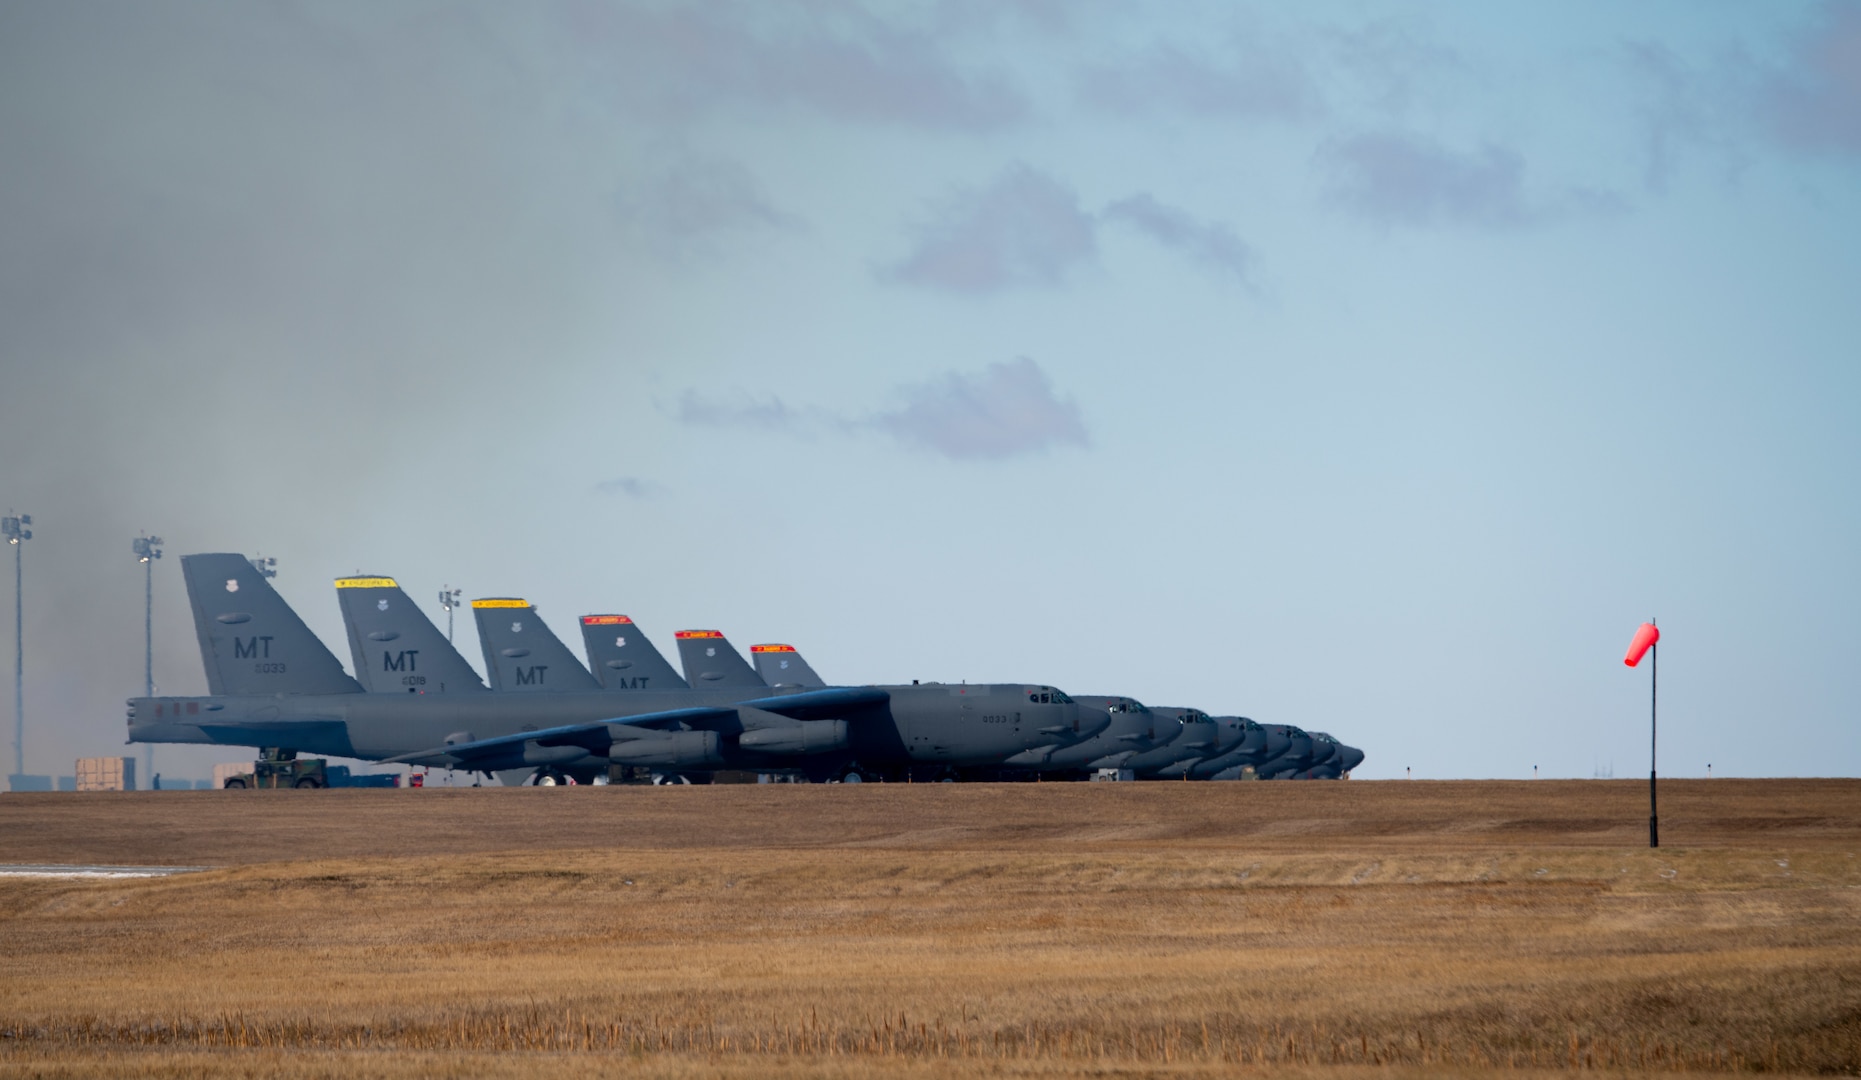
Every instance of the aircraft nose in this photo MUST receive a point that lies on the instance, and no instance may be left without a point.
(1353, 757)
(1278, 742)
(1092, 721)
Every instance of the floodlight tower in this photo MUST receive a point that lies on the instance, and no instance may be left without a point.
(16, 528)
(147, 549)
(449, 599)
(267, 568)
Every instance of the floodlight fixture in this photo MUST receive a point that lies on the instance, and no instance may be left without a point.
(146, 548)
(449, 599)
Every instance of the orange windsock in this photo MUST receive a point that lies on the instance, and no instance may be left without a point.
(1645, 637)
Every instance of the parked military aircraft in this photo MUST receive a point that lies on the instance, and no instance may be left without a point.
(1256, 745)
(1193, 740)
(710, 660)
(396, 649)
(622, 657)
(781, 665)
(520, 650)
(1130, 729)
(521, 653)
(273, 684)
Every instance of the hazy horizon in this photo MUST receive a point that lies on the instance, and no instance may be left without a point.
(1375, 372)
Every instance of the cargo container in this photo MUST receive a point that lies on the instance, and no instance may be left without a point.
(106, 774)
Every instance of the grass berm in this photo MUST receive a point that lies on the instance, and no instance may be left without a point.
(1033, 929)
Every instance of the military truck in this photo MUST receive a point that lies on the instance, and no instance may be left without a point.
(277, 768)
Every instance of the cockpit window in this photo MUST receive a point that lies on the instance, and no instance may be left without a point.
(1061, 699)
(1037, 697)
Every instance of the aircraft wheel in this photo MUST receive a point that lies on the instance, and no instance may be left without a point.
(545, 779)
(671, 778)
(853, 775)
(235, 785)
(307, 782)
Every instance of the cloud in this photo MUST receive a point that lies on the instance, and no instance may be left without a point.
(676, 63)
(738, 410)
(1686, 110)
(1024, 228)
(1814, 103)
(1396, 64)
(1213, 244)
(630, 486)
(1254, 82)
(1720, 108)
(1006, 410)
(1396, 179)
(686, 210)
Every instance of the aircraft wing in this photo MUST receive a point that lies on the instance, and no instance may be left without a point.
(830, 704)
(295, 732)
(594, 736)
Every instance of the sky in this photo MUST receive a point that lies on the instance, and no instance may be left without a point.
(1371, 368)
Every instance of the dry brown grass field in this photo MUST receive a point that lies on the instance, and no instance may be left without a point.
(1315, 929)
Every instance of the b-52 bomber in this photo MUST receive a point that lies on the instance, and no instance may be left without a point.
(272, 683)
(389, 636)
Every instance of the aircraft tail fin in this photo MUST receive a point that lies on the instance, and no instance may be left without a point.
(710, 660)
(251, 642)
(781, 665)
(521, 653)
(396, 648)
(622, 657)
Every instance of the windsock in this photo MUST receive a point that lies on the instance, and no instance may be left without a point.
(1645, 637)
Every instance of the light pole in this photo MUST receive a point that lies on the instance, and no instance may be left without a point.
(449, 599)
(16, 530)
(147, 549)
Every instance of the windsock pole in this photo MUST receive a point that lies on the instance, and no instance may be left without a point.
(1654, 698)
(1647, 643)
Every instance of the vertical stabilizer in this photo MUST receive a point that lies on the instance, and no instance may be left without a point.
(250, 640)
(710, 660)
(396, 648)
(622, 657)
(523, 654)
(781, 665)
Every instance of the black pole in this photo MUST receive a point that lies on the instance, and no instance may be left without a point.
(148, 651)
(1654, 693)
(19, 660)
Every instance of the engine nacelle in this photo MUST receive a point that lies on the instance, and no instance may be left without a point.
(675, 749)
(802, 737)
